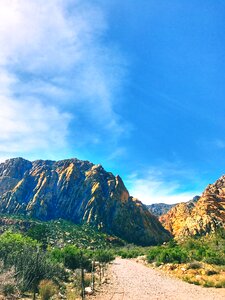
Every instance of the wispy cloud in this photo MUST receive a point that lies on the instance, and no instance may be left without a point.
(157, 185)
(54, 63)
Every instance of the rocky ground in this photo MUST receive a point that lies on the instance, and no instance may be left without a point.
(129, 280)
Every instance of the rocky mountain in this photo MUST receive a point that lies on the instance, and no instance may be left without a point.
(159, 209)
(78, 191)
(200, 216)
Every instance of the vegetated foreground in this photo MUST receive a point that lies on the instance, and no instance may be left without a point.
(130, 280)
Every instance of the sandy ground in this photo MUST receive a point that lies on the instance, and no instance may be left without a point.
(130, 280)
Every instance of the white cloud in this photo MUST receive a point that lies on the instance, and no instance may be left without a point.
(158, 186)
(30, 125)
(51, 57)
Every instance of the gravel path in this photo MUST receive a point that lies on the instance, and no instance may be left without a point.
(130, 280)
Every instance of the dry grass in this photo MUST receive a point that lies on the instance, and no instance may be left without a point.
(200, 274)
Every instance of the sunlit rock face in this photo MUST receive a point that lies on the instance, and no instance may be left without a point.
(78, 191)
(200, 217)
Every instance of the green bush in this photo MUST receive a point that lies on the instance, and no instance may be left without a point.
(12, 245)
(173, 255)
(39, 232)
(153, 254)
(131, 252)
(215, 260)
(104, 256)
(56, 255)
(167, 255)
(210, 249)
(30, 262)
(75, 258)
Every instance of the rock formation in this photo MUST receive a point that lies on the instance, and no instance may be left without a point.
(78, 191)
(159, 209)
(204, 215)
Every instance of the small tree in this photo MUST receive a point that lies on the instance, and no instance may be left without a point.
(39, 232)
(103, 257)
(76, 259)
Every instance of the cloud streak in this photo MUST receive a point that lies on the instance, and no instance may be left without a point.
(52, 59)
(158, 185)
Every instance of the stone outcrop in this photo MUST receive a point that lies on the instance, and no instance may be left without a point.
(198, 217)
(78, 191)
(159, 209)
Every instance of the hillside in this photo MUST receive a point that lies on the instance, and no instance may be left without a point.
(197, 218)
(59, 233)
(78, 191)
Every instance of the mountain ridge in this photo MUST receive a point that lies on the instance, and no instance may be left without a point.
(200, 217)
(159, 209)
(78, 191)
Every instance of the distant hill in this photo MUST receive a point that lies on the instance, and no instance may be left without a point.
(159, 209)
(78, 191)
(200, 216)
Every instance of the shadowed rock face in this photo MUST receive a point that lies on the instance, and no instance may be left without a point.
(78, 191)
(200, 217)
(159, 209)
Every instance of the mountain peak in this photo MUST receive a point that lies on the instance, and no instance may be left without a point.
(78, 191)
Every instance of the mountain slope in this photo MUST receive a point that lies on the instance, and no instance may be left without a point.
(200, 217)
(78, 191)
(159, 209)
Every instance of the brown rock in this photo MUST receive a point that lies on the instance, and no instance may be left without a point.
(201, 217)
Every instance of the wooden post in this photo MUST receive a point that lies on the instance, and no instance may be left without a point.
(82, 284)
(82, 277)
(93, 275)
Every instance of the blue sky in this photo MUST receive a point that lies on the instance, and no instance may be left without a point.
(136, 86)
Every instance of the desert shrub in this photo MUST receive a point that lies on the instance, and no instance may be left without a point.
(191, 280)
(104, 256)
(167, 255)
(215, 260)
(7, 282)
(47, 289)
(39, 232)
(213, 257)
(173, 255)
(133, 253)
(211, 272)
(208, 283)
(8, 289)
(220, 284)
(172, 243)
(194, 265)
(12, 245)
(34, 266)
(153, 254)
(75, 258)
(30, 262)
(210, 249)
(56, 255)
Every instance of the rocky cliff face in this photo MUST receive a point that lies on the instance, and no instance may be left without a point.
(78, 191)
(198, 217)
(159, 209)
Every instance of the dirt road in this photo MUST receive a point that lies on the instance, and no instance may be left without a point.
(130, 280)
